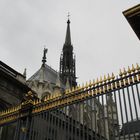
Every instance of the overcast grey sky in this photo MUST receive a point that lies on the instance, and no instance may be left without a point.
(103, 41)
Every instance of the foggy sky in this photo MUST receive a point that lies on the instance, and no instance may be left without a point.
(103, 40)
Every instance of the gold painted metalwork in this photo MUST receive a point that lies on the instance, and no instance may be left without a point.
(108, 77)
(135, 78)
(133, 68)
(120, 74)
(130, 80)
(129, 70)
(101, 80)
(113, 76)
(109, 86)
(93, 83)
(126, 81)
(137, 67)
(90, 84)
(118, 83)
(105, 88)
(113, 85)
(124, 71)
(97, 81)
(101, 89)
(122, 82)
(76, 94)
(86, 85)
(98, 90)
(83, 85)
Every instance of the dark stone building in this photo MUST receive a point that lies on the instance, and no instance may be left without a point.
(133, 17)
(12, 86)
(67, 61)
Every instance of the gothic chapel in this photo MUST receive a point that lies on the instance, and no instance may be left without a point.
(46, 81)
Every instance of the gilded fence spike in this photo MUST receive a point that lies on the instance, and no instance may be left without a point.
(133, 68)
(79, 86)
(124, 71)
(113, 76)
(89, 82)
(120, 74)
(93, 82)
(86, 84)
(129, 70)
(37, 101)
(126, 81)
(44, 100)
(108, 77)
(135, 78)
(137, 67)
(97, 81)
(51, 97)
(114, 85)
(82, 85)
(122, 83)
(34, 102)
(72, 89)
(101, 80)
(66, 91)
(57, 93)
(109, 87)
(54, 96)
(69, 90)
(105, 78)
(101, 89)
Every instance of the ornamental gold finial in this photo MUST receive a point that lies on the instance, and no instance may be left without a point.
(66, 91)
(133, 68)
(86, 84)
(129, 71)
(93, 82)
(108, 77)
(105, 78)
(89, 82)
(137, 67)
(113, 76)
(78, 86)
(97, 81)
(120, 73)
(72, 89)
(82, 85)
(101, 80)
(124, 71)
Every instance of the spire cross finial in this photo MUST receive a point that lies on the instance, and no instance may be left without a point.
(68, 15)
(44, 55)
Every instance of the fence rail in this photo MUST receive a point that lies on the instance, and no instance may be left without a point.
(104, 109)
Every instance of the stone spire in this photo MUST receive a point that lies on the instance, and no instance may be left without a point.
(68, 36)
(67, 60)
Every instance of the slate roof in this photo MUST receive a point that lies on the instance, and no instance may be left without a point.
(46, 74)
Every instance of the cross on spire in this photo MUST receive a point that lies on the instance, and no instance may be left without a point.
(68, 15)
